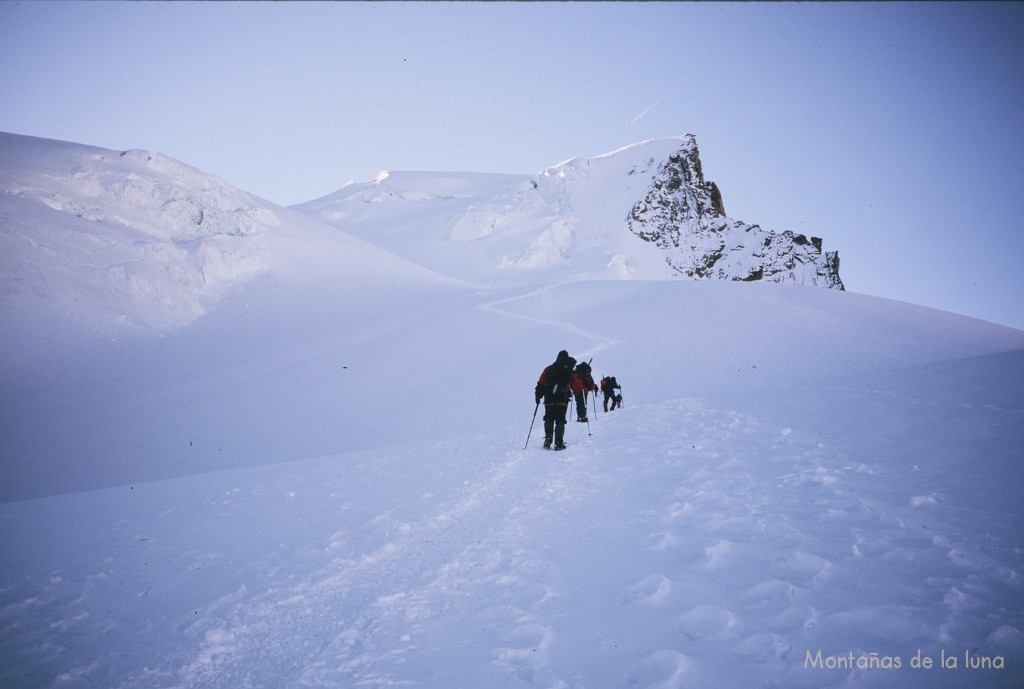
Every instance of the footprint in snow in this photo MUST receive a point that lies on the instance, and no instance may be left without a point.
(662, 540)
(708, 622)
(526, 659)
(653, 590)
(800, 568)
(665, 669)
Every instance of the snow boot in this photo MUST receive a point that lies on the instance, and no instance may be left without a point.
(582, 419)
(547, 442)
(559, 445)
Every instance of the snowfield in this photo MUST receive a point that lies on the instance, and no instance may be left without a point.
(321, 481)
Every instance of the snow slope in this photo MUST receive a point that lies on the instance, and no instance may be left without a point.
(92, 219)
(132, 241)
(322, 482)
(767, 491)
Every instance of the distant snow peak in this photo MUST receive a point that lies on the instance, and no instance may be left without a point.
(595, 208)
(684, 215)
(643, 211)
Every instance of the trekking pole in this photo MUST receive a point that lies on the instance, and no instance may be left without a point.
(531, 425)
(585, 415)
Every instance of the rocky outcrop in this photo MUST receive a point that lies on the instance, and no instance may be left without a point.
(684, 215)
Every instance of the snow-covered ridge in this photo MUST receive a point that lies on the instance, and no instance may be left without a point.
(355, 200)
(131, 239)
(642, 211)
(150, 193)
(117, 241)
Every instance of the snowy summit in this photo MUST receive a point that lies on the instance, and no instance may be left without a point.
(254, 446)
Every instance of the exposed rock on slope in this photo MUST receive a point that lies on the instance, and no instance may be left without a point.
(684, 215)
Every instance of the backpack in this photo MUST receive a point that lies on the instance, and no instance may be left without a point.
(584, 371)
(558, 380)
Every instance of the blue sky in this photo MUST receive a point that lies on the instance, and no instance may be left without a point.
(892, 130)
